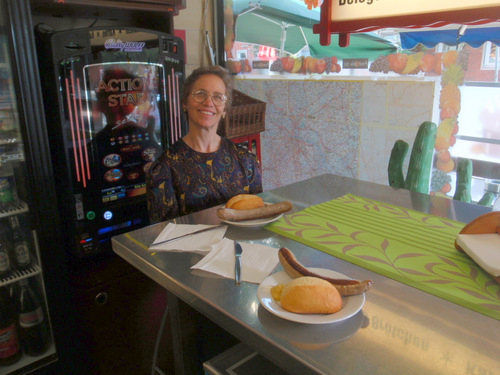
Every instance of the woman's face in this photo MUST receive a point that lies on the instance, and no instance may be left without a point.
(207, 113)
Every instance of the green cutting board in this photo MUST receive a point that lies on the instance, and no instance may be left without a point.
(412, 247)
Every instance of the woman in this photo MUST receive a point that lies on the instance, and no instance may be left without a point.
(201, 170)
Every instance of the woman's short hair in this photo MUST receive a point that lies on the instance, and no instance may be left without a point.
(216, 70)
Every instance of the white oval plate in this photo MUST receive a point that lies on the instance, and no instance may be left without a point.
(253, 223)
(350, 304)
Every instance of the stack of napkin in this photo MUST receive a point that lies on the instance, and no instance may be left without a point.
(197, 243)
(257, 261)
(484, 249)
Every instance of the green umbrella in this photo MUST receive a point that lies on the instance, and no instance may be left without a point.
(272, 24)
(293, 11)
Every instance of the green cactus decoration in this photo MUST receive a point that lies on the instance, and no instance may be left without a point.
(488, 199)
(395, 169)
(419, 168)
(464, 185)
(464, 180)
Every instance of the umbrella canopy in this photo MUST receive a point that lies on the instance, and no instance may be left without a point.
(293, 11)
(287, 26)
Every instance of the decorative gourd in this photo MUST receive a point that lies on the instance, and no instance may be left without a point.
(419, 168)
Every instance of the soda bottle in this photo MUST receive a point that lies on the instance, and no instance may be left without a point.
(5, 262)
(32, 324)
(21, 248)
(10, 351)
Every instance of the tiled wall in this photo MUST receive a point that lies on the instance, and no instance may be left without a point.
(342, 127)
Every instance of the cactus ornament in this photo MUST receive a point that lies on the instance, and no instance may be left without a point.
(419, 168)
(464, 180)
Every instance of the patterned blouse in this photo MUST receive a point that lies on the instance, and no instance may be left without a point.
(183, 180)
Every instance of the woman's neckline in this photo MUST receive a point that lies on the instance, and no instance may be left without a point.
(187, 140)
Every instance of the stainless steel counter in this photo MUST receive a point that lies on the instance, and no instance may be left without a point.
(400, 330)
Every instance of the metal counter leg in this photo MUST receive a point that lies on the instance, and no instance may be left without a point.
(154, 368)
(195, 338)
(183, 333)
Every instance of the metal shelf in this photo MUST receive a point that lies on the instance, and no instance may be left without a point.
(13, 208)
(11, 150)
(17, 275)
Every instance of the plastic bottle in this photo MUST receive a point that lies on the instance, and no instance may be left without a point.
(10, 351)
(32, 324)
(21, 248)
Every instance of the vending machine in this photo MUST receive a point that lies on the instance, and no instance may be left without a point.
(112, 102)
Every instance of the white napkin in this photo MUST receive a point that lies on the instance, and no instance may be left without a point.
(257, 261)
(484, 249)
(197, 243)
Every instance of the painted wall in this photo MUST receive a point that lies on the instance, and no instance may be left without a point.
(342, 127)
(195, 20)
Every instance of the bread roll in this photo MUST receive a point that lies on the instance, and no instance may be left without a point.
(245, 202)
(310, 295)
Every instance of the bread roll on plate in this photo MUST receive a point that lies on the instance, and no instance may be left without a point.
(245, 202)
(310, 295)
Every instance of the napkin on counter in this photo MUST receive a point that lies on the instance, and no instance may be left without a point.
(197, 243)
(484, 249)
(257, 261)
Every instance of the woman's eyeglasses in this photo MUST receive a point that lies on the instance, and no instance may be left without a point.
(200, 96)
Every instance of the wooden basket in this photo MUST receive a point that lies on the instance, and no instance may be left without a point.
(246, 116)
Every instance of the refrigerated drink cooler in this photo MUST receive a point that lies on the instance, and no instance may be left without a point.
(112, 100)
(27, 342)
(73, 152)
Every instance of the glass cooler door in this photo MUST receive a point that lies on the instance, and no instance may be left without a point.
(26, 341)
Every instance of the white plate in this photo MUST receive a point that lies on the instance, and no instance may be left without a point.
(254, 223)
(350, 304)
(311, 336)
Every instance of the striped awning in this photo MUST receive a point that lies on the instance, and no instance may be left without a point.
(475, 37)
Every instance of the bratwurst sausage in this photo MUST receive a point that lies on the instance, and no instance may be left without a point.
(294, 269)
(254, 213)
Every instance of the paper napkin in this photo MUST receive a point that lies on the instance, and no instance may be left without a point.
(197, 243)
(257, 261)
(484, 249)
